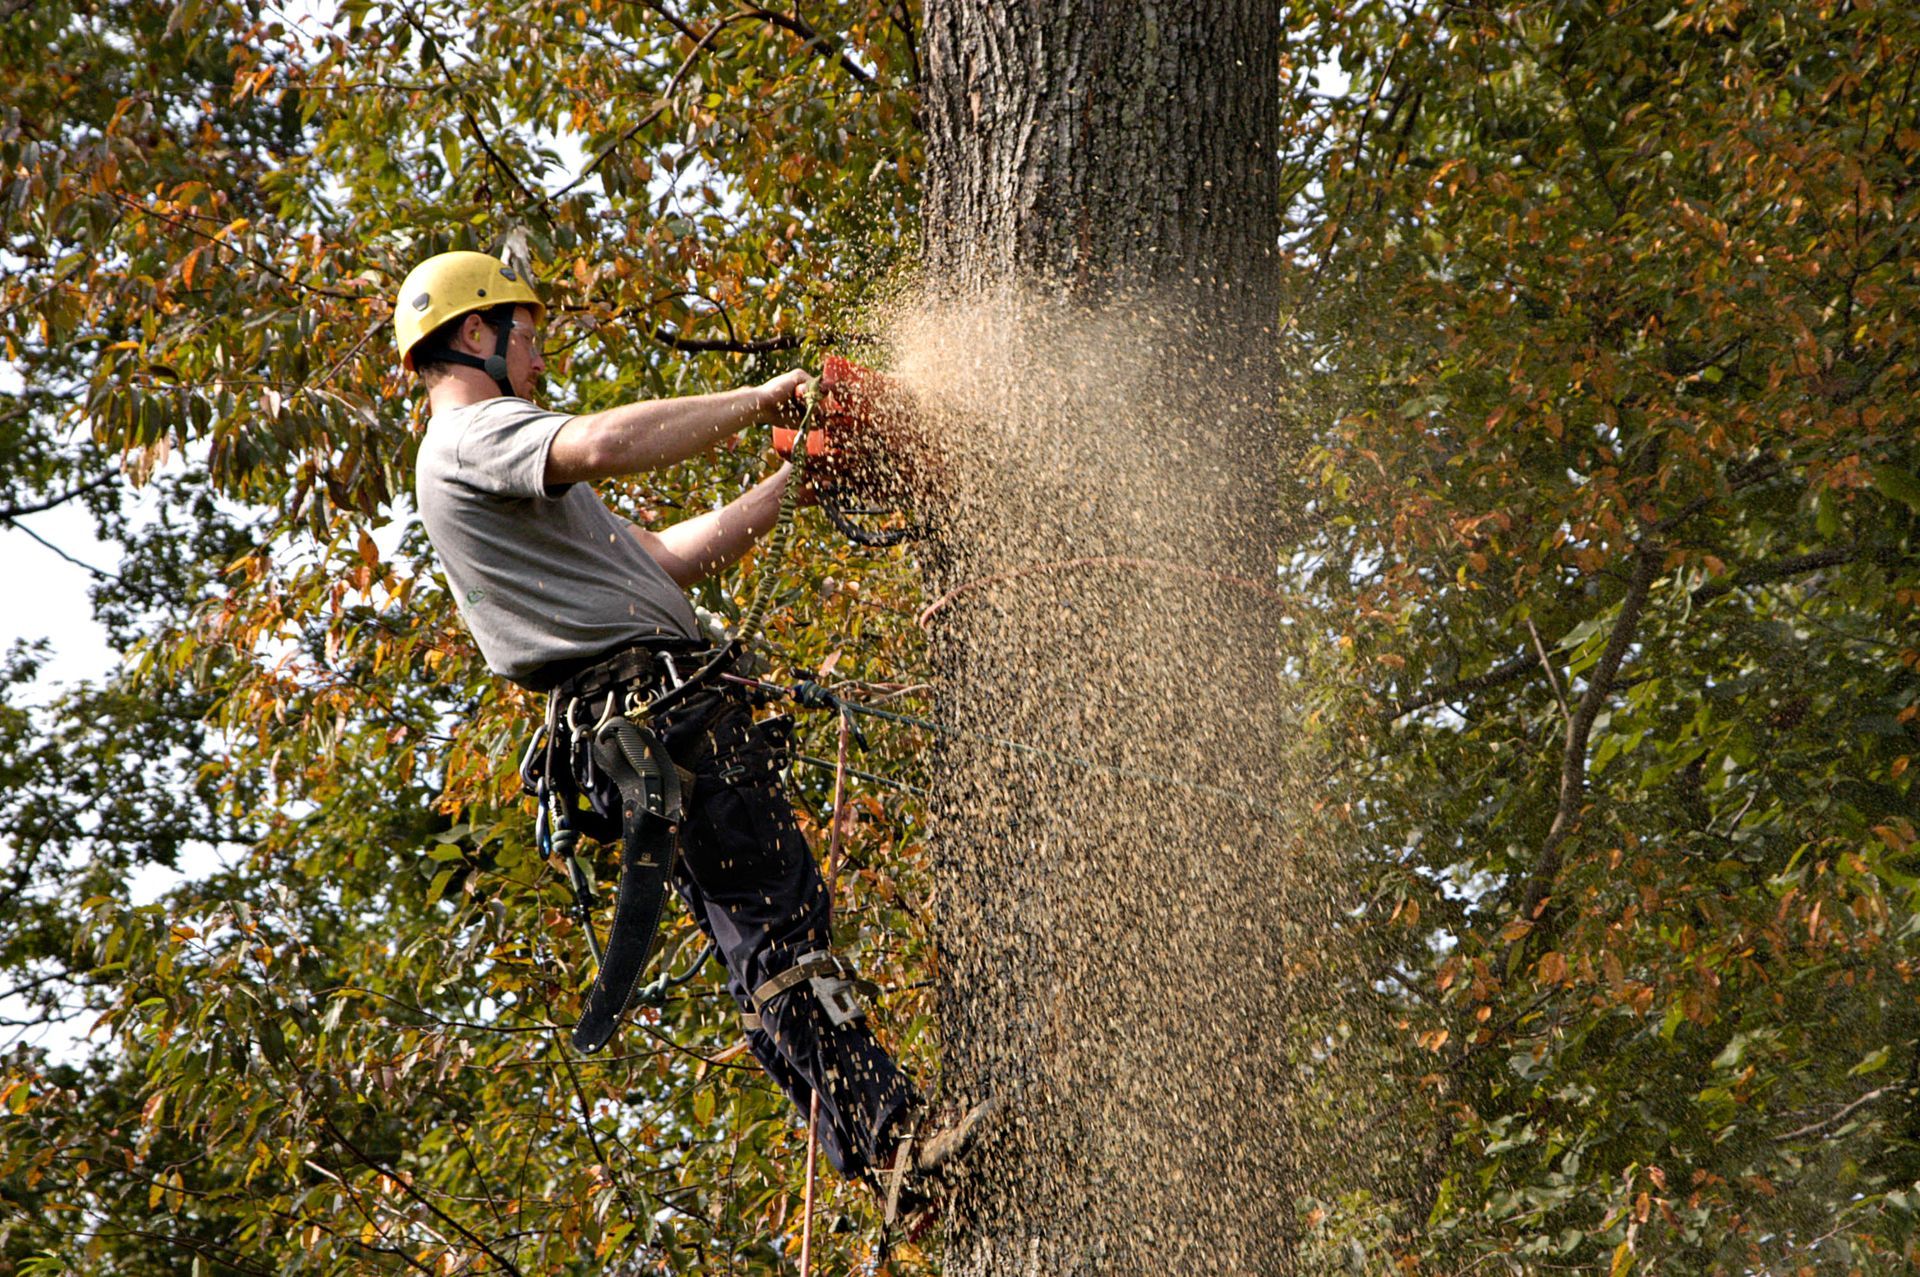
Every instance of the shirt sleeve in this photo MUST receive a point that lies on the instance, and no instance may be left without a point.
(503, 450)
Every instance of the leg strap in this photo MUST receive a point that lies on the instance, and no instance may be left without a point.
(835, 983)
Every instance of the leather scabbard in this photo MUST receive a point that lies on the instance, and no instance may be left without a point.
(650, 812)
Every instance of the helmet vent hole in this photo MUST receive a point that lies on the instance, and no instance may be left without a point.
(423, 301)
(483, 292)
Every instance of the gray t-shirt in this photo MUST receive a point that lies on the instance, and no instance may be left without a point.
(541, 574)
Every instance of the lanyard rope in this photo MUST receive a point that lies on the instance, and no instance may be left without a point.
(810, 695)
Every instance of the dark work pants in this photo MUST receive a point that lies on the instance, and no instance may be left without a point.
(750, 881)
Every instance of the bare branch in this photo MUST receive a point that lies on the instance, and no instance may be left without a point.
(1842, 1115)
(1573, 758)
(400, 1180)
(724, 345)
(1546, 663)
(11, 513)
(99, 573)
(135, 206)
(817, 43)
(432, 44)
(1505, 672)
(666, 94)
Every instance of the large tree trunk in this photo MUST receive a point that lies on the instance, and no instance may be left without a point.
(1101, 143)
(1121, 916)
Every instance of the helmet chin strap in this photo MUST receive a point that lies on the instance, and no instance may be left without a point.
(494, 365)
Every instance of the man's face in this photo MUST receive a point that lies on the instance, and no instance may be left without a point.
(525, 363)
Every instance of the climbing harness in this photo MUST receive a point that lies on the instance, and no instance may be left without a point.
(626, 699)
(834, 983)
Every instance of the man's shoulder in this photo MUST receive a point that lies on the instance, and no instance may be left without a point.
(500, 410)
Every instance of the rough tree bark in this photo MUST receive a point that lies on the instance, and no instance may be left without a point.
(1112, 952)
(1099, 144)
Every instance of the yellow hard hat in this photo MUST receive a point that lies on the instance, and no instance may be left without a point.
(451, 285)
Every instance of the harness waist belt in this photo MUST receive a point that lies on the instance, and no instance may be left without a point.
(642, 664)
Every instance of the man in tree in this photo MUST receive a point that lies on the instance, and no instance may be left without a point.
(567, 598)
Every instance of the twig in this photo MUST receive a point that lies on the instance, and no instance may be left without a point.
(673, 83)
(593, 1136)
(1546, 663)
(820, 45)
(1791, 566)
(135, 206)
(1840, 1116)
(1505, 672)
(395, 1177)
(724, 345)
(432, 43)
(97, 572)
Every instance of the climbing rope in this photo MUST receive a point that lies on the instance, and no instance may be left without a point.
(780, 539)
(811, 695)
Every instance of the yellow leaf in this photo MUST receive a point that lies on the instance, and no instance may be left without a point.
(1515, 930)
(1622, 1261)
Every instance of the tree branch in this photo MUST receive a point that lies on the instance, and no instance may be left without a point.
(686, 64)
(1573, 758)
(11, 513)
(432, 44)
(99, 573)
(1840, 1116)
(396, 1178)
(1505, 672)
(723, 345)
(135, 206)
(1783, 569)
(819, 44)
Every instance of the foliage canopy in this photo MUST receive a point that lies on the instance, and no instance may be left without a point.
(1616, 495)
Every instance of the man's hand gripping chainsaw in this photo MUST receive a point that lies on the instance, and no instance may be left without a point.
(860, 453)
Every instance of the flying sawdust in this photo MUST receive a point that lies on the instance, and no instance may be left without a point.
(1141, 949)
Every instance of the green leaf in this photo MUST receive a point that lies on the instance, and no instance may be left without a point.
(1898, 484)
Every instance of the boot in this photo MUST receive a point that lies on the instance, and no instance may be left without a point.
(908, 1179)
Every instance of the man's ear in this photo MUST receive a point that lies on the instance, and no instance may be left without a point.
(473, 333)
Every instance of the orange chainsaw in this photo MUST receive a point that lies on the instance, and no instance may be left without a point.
(860, 451)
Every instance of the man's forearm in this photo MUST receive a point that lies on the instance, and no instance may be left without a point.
(698, 547)
(646, 436)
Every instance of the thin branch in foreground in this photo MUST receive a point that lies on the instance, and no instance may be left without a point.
(99, 573)
(1841, 1116)
(11, 513)
(1573, 758)
(1505, 672)
(399, 1180)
